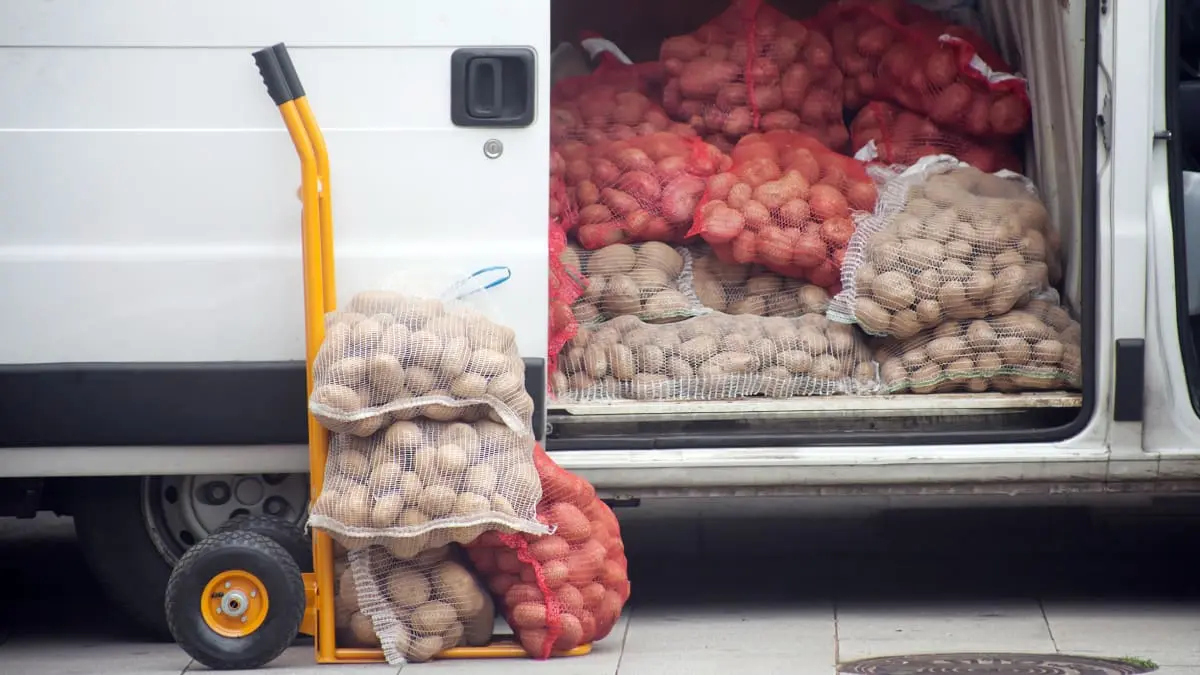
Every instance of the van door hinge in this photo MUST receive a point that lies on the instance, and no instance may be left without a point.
(1102, 122)
(1103, 7)
(1163, 135)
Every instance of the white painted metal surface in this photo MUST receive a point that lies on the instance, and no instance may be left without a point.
(149, 201)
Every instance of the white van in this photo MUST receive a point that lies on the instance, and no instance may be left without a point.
(152, 340)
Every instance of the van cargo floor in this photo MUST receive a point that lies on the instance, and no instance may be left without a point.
(760, 421)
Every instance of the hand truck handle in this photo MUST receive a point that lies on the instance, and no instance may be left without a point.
(273, 75)
(289, 71)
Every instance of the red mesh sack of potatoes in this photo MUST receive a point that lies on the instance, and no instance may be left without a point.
(886, 133)
(566, 286)
(754, 69)
(785, 204)
(631, 173)
(565, 589)
(562, 207)
(893, 50)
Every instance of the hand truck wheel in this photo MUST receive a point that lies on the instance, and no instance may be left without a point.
(235, 600)
(288, 535)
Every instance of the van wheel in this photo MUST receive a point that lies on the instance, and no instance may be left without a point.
(235, 601)
(134, 529)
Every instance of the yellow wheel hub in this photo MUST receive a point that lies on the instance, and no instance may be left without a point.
(234, 604)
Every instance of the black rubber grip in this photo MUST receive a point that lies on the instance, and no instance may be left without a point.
(272, 76)
(289, 71)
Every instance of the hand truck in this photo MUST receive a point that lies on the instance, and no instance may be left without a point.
(239, 597)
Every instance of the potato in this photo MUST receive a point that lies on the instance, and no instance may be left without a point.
(408, 587)
(362, 631)
(455, 585)
(424, 648)
(432, 618)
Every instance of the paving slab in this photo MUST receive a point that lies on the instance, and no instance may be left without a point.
(57, 656)
(1166, 632)
(867, 629)
(604, 660)
(796, 640)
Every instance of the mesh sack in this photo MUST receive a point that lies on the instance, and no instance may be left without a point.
(714, 357)
(631, 173)
(889, 134)
(565, 589)
(893, 50)
(946, 241)
(422, 484)
(1036, 348)
(414, 608)
(567, 284)
(648, 281)
(752, 289)
(562, 206)
(754, 69)
(389, 357)
(786, 204)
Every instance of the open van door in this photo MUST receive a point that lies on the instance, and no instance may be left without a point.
(1172, 424)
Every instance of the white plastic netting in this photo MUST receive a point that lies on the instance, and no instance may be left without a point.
(421, 484)
(649, 281)
(751, 289)
(714, 357)
(945, 242)
(389, 356)
(1033, 348)
(413, 609)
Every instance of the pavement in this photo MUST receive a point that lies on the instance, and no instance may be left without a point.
(757, 596)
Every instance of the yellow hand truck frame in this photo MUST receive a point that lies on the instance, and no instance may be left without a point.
(238, 598)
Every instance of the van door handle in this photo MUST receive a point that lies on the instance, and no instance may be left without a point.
(493, 87)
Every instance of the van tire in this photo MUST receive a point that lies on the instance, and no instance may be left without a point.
(111, 530)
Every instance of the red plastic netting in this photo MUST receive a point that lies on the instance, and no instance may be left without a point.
(785, 204)
(567, 284)
(754, 69)
(892, 50)
(565, 589)
(897, 136)
(632, 173)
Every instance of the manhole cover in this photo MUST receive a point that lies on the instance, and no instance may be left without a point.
(991, 664)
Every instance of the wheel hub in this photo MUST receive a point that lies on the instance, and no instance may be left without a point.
(234, 604)
(181, 510)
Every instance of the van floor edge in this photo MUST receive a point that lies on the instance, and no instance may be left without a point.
(901, 405)
(813, 421)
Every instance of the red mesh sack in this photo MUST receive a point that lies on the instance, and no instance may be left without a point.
(566, 286)
(897, 136)
(785, 204)
(565, 589)
(754, 69)
(632, 173)
(892, 50)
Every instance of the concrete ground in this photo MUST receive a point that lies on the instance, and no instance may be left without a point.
(752, 595)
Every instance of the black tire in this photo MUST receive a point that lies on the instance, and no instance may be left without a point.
(235, 550)
(291, 537)
(111, 530)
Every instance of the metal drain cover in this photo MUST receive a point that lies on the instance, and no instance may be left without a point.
(991, 664)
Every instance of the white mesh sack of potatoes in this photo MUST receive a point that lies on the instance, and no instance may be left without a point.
(751, 289)
(420, 484)
(412, 609)
(714, 357)
(389, 356)
(643, 280)
(946, 241)
(1033, 348)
